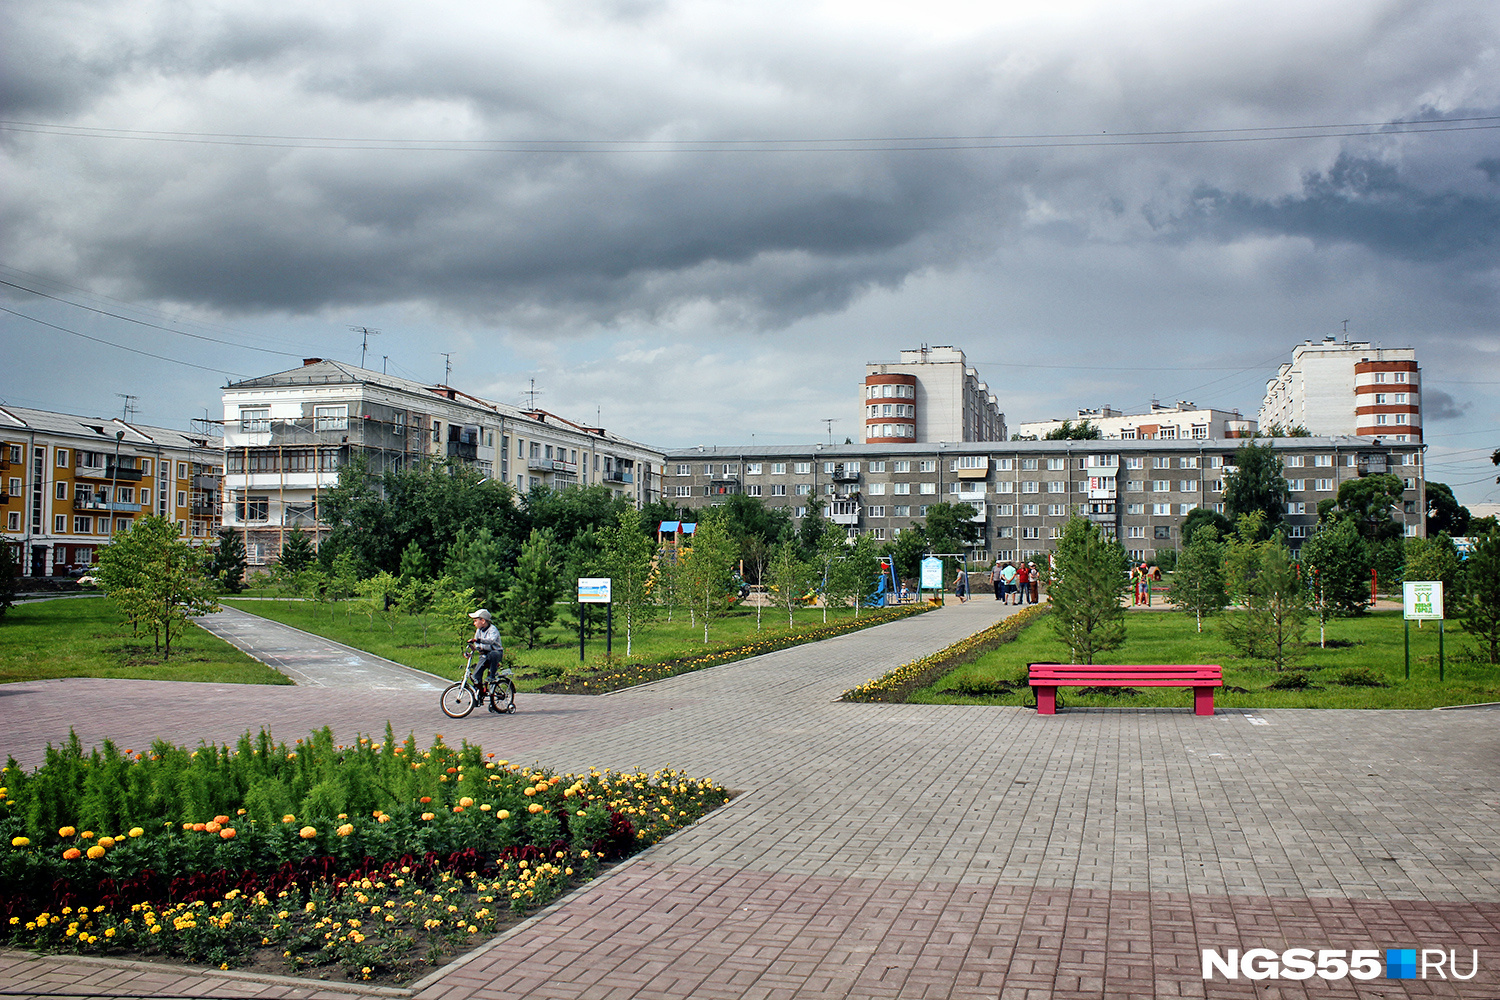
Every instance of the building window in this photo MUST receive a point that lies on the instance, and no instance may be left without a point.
(684, 491)
(1296, 485)
(1135, 531)
(1187, 486)
(1057, 486)
(1031, 510)
(1031, 532)
(1135, 508)
(901, 489)
(804, 489)
(875, 510)
(13, 520)
(1298, 531)
(61, 491)
(1004, 509)
(1030, 486)
(83, 525)
(1161, 510)
(1160, 485)
(1163, 532)
(1184, 509)
(802, 468)
(255, 509)
(684, 470)
(62, 458)
(901, 510)
(1058, 510)
(1200, 432)
(877, 466)
(1292, 461)
(801, 511)
(1028, 465)
(1161, 463)
(752, 468)
(59, 524)
(1296, 508)
(928, 488)
(928, 465)
(778, 468)
(778, 490)
(1135, 485)
(1134, 462)
(878, 534)
(255, 420)
(1323, 461)
(752, 490)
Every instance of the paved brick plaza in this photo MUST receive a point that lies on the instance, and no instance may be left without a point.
(911, 851)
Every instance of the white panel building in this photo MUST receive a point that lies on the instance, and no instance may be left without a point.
(931, 394)
(1183, 421)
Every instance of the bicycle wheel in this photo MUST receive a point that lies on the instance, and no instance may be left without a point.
(503, 695)
(458, 700)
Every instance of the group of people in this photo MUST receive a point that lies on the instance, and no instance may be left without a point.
(1021, 582)
(1142, 577)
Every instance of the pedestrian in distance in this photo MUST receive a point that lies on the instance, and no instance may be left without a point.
(1023, 582)
(961, 586)
(996, 582)
(1036, 583)
(1008, 582)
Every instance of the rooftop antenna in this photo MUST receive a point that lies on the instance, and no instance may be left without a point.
(830, 421)
(365, 334)
(129, 410)
(532, 393)
(383, 359)
(1346, 331)
(447, 366)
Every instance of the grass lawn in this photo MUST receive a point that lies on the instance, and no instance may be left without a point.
(439, 650)
(86, 637)
(1370, 647)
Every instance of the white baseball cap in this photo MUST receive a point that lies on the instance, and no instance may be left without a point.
(481, 613)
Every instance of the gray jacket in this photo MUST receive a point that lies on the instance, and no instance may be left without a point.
(488, 639)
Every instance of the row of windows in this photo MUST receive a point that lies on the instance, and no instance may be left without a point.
(1010, 464)
(891, 410)
(891, 391)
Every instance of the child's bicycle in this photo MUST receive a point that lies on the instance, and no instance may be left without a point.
(459, 699)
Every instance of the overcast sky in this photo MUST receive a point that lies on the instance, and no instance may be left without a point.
(699, 220)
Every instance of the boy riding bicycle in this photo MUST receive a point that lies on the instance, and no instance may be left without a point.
(487, 641)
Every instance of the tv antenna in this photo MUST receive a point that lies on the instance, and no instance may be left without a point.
(531, 405)
(830, 421)
(365, 334)
(447, 365)
(129, 410)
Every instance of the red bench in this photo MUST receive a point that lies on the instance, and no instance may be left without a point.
(1046, 678)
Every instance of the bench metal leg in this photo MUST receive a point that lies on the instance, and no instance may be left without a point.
(1203, 701)
(1046, 701)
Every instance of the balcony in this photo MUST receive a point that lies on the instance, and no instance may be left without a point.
(462, 451)
(110, 472)
(90, 504)
(844, 474)
(551, 465)
(844, 512)
(206, 482)
(621, 476)
(205, 508)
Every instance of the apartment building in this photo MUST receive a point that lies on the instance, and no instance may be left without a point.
(931, 394)
(1024, 492)
(68, 483)
(1182, 421)
(286, 436)
(1334, 387)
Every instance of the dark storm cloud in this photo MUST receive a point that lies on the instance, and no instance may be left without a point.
(1363, 201)
(1438, 405)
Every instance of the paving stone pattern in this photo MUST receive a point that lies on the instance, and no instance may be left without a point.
(913, 851)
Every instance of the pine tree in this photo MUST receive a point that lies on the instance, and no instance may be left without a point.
(476, 562)
(297, 552)
(530, 604)
(414, 564)
(1198, 583)
(1479, 603)
(228, 562)
(1086, 589)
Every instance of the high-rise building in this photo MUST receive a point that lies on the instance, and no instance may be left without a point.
(931, 394)
(1338, 387)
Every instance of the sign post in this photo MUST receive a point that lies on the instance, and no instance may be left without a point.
(595, 590)
(1422, 600)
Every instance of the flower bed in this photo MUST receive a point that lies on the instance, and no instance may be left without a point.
(896, 685)
(378, 858)
(602, 681)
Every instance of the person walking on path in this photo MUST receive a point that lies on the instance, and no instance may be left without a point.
(1008, 580)
(997, 583)
(1023, 583)
(1036, 582)
(961, 586)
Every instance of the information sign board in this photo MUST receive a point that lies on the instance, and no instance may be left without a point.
(1423, 600)
(932, 573)
(593, 590)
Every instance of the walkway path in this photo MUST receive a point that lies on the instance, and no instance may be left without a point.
(913, 851)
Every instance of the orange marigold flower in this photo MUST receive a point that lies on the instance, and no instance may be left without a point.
(96, 852)
(72, 854)
(346, 829)
(227, 833)
(308, 832)
(66, 831)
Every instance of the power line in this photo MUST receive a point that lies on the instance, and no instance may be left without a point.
(109, 343)
(846, 144)
(141, 322)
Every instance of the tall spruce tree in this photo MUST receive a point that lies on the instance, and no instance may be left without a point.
(227, 564)
(1198, 582)
(297, 552)
(1479, 603)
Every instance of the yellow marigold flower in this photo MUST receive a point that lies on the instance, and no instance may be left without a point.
(486, 807)
(346, 829)
(136, 831)
(503, 814)
(106, 842)
(227, 833)
(428, 816)
(87, 835)
(466, 802)
(72, 854)
(20, 842)
(66, 831)
(289, 818)
(96, 852)
(308, 832)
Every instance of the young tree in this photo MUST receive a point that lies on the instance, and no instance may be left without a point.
(297, 552)
(1337, 564)
(1478, 608)
(530, 604)
(627, 563)
(1204, 517)
(862, 567)
(787, 577)
(1086, 588)
(757, 555)
(810, 532)
(950, 527)
(831, 550)
(414, 564)
(1198, 583)
(228, 561)
(157, 579)
(1434, 558)
(1279, 594)
(1255, 483)
(666, 579)
(707, 572)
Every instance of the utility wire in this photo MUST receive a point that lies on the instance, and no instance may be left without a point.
(840, 145)
(141, 322)
(108, 343)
